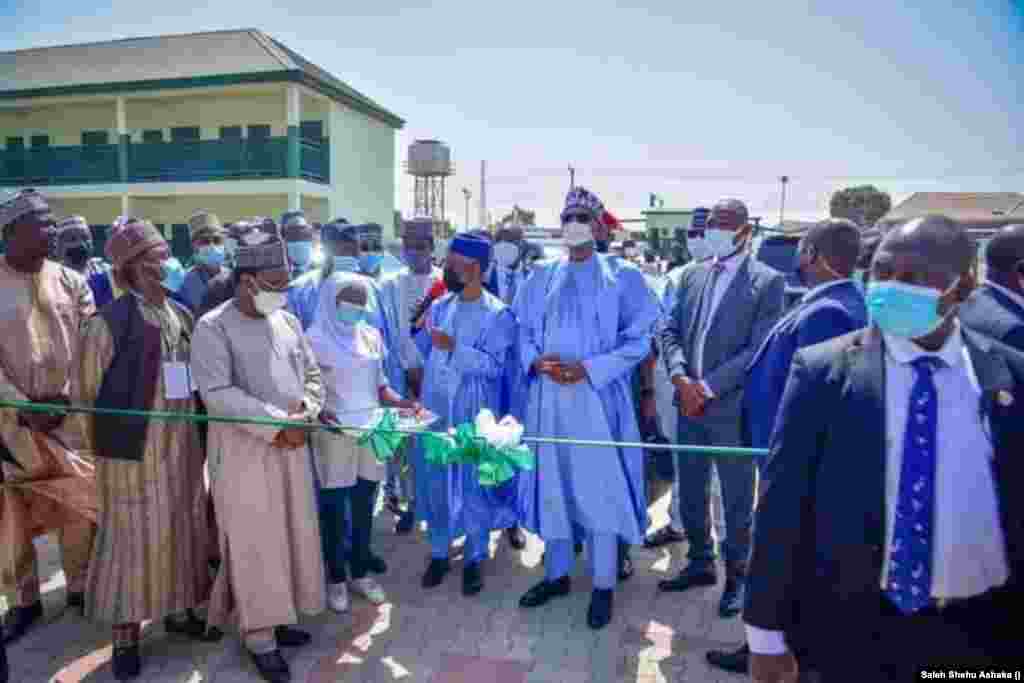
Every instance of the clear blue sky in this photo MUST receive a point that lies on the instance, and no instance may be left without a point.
(693, 101)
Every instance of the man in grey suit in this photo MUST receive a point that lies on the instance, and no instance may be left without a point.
(725, 306)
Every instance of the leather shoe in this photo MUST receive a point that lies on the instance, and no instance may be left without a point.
(545, 591)
(435, 573)
(193, 627)
(600, 611)
(20, 619)
(737, 661)
(127, 662)
(272, 666)
(731, 603)
(76, 601)
(405, 523)
(472, 579)
(664, 536)
(5, 672)
(516, 537)
(376, 564)
(691, 577)
(286, 636)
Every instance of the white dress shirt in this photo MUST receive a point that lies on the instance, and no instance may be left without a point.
(413, 288)
(730, 267)
(968, 552)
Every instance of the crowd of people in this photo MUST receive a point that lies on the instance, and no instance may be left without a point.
(889, 529)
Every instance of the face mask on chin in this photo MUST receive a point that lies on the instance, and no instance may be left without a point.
(577, 234)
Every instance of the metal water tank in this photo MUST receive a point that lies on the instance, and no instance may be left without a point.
(429, 158)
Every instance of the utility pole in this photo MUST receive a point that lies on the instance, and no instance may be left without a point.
(467, 194)
(572, 177)
(782, 205)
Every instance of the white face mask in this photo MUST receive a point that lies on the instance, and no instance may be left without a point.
(506, 254)
(577, 234)
(699, 248)
(269, 302)
(719, 242)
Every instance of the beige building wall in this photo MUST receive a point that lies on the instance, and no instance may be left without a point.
(363, 158)
(229, 208)
(64, 123)
(209, 112)
(96, 210)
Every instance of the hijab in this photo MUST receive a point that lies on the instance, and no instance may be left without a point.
(336, 343)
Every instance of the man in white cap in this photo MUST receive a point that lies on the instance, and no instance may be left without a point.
(47, 485)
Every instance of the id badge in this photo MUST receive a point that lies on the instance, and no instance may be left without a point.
(176, 381)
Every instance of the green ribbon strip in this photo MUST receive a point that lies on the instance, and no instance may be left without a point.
(732, 451)
(464, 446)
(383, 438)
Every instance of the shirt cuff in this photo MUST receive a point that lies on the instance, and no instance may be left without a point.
(765, 642)
(707, 389)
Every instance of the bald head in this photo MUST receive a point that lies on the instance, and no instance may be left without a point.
(837, 240)
(934, 248)
(1004, 254)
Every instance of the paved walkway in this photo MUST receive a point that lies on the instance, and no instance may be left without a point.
(435, 636)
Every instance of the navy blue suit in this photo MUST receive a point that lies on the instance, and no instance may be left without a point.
(822, 315)
(820, 534)
(992, 313)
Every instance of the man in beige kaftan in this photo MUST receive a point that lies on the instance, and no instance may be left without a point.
(151, 550)
(251, 359)
(45, 485)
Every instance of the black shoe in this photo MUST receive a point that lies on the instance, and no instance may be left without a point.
(600, 611)
(664, 536)
(625, 563)
(127, 662)
(690, 577)
(20, 619)
(472, 579)
(545, 591)
(577, 547)
(405, 523)
(286, 636)
(737, 661)
(5, 671)
(272, 666)
(76, 601)
(435, 573)
(376, 565)
(214, 564)
(731, 603)
(193, 627)
(516, 537)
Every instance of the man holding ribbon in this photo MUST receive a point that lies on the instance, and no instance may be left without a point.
(467, 339)
(251, 359)
(583, 330)
(150, 556)
(45, 485)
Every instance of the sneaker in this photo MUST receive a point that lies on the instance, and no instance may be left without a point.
(369, 589)
(337, 596)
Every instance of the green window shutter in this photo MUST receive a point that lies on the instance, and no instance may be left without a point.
(185, 134)
(149, 136)
(95, 137)
(230, 132)
(181, 245)
(258, 131)
(15, 143)
(40, 140)
(311, 130)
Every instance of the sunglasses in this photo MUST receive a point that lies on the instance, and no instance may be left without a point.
(576, 217)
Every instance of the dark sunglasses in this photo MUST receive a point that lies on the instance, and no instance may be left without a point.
(577, 217)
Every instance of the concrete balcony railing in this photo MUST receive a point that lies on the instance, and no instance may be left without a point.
(198, 161)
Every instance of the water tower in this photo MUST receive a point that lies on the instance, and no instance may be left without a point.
(430, 163)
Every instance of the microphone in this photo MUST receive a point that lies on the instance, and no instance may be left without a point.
(436, 291)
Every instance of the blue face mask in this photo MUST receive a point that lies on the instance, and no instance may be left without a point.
(719, 242)
(300, 253)
(351, 314)
(370, 262)
(211, 255)
(346, 264)
(902, 310)
(173, 275)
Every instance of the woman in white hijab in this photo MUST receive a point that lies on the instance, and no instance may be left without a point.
(351, 356)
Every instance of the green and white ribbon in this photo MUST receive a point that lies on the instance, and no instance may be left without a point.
(495, 448)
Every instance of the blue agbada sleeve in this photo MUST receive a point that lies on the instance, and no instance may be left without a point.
(639, 311)
(487, 361)
(529, 297)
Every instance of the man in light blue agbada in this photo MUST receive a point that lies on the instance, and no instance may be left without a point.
(298, 233)
(584, 327)
(466, 342)
(207, 235)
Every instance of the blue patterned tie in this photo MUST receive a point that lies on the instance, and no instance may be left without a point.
(910, 555)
